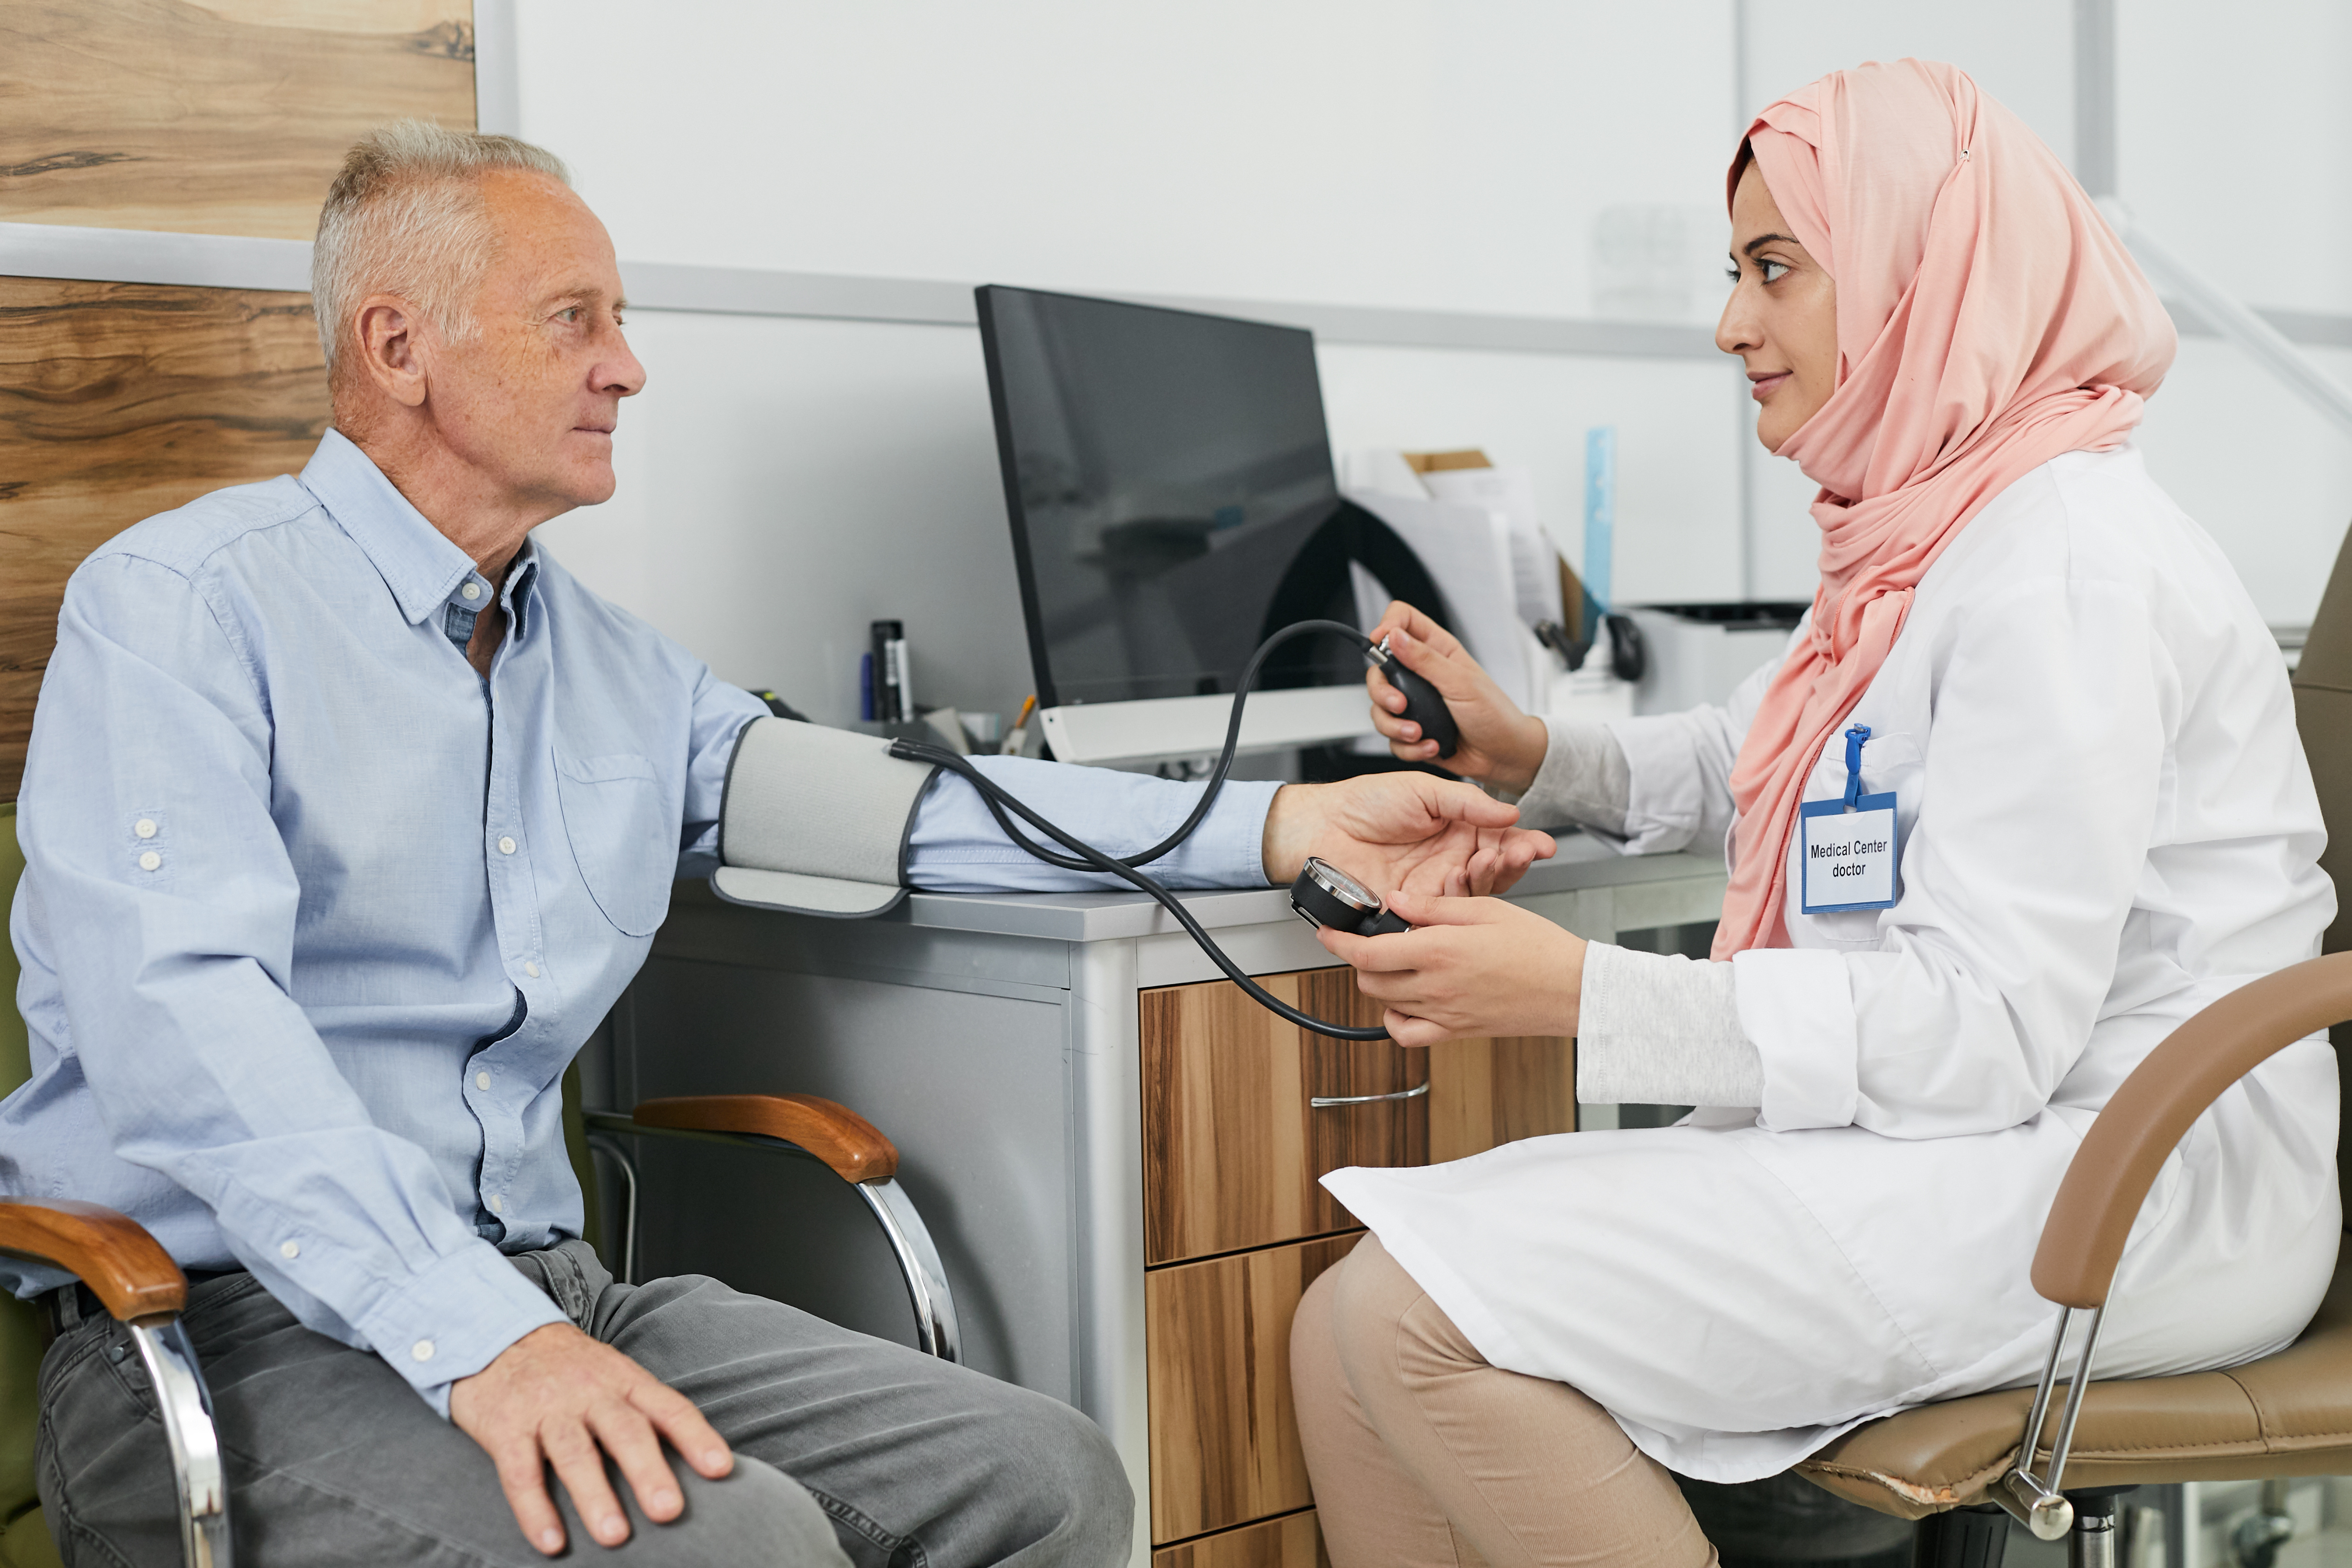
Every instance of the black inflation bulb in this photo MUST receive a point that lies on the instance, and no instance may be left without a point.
(1422, 705)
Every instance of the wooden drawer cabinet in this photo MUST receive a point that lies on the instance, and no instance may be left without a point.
(1236, 1225)
(1291, 1540)
(1224, 1438)
(1232, 1149)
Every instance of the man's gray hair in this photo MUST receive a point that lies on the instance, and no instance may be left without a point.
(405, 216)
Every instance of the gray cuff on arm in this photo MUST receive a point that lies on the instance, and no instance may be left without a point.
(816, 821)
(1585, 780)
(1660, 1029)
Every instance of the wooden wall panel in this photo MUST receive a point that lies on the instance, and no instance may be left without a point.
(119, 400)
(229, 117)
(1231, 1150)
(1293, 1541)
(1224, 1433)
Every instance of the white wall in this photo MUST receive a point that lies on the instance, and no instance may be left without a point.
(2236, 148)
(783, 481)
(1371, 151)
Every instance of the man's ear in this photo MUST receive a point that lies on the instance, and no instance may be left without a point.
(386, 332)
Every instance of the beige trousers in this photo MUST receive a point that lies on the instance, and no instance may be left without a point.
(1422, 1456)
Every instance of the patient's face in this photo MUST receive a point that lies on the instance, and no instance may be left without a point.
(532, 398)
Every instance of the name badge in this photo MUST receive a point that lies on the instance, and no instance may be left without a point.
(1848, 844)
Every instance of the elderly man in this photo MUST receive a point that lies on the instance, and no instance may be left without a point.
(348, 813)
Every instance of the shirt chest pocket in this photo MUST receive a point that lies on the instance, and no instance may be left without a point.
(623, 835)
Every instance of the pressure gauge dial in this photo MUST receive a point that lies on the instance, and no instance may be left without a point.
(1324, 895)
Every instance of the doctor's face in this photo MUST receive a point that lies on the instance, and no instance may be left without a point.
(1781, 318)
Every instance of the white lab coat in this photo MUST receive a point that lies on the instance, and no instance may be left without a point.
(2106, 823)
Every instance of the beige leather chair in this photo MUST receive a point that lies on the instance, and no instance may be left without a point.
(2288, 1415)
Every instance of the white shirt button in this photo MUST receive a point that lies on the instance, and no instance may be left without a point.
(531, 970)
(471, 590)
(288, 1249)
(422, 1350)
(144, 827)
(481, 1081)
(150, 861)
(498, 1204)
(506, 845)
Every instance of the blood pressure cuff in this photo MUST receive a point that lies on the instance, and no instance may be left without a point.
(816, 821)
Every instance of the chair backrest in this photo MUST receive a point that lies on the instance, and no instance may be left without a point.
(2323, 712)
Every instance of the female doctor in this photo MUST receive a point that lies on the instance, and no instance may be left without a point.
(2102, 820)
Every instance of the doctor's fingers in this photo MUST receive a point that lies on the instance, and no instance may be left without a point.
(1401, 617)
(1411, 1032)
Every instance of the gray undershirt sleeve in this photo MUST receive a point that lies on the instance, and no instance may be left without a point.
(1660, 1029)
(1584, 781)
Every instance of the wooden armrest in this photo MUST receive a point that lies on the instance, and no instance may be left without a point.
(109, 1251)
(835, 1134)
(2082, 1239)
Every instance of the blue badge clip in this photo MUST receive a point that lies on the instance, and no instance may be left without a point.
(1852, 800)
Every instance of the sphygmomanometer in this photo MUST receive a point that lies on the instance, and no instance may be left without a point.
(832, 866)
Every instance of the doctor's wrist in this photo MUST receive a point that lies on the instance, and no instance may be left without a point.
(1519, 754)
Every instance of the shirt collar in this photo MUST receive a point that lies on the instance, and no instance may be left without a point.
(417, 562)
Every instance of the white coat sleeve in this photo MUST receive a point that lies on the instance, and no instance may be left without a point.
(2037, 803)
(1679, 768)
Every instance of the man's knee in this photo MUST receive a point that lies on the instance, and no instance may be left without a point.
(755, 1515)
(1067, 1479)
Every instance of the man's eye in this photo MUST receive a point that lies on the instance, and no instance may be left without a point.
(569, 317)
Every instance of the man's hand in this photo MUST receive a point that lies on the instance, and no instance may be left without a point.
(553, 1398)
(1471, 968)
(1402, 830)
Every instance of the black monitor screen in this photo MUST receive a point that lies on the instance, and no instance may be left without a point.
(1171, 497)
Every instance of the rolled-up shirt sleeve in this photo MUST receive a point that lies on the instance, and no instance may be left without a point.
(171, 906)
(720, 711)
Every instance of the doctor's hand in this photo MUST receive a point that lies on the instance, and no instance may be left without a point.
(1499, 744)
(556, 1396)
(1471, 968)
(1402, 830)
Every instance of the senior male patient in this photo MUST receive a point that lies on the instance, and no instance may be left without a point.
(349, 814)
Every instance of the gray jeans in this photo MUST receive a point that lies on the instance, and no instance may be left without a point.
(844, 1444)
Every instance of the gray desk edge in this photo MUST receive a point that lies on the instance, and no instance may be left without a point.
(1107, 917)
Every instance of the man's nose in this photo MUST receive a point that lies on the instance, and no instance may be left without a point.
(619, 371)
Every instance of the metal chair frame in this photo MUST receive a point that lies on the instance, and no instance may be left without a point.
(937, 1331)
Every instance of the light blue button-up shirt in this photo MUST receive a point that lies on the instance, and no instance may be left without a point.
(315, 916)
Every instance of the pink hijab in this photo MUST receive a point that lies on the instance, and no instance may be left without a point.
(1987, 320)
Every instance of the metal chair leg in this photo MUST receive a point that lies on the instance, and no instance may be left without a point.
(606, 1145)
(937, 1332)
(187, 1410)
(2091, 1544)
(1960, 1537)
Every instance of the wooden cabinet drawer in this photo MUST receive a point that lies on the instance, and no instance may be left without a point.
(1233, 1148)
(1230, 1147)
(1224, 1438)
(1293, 1541)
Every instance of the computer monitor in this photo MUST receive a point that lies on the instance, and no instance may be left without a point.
(1170, 486)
